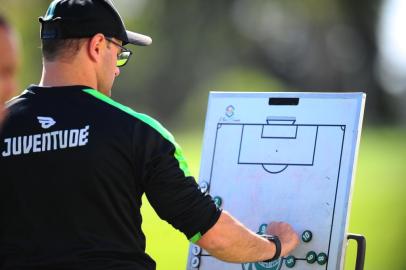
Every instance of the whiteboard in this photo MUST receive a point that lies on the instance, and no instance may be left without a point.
(283, 157)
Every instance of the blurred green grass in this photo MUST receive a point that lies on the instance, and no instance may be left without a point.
(378, 204)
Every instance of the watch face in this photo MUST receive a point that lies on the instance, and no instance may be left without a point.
(270, 237)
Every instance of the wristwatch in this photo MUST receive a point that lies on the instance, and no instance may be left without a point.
(277, 242)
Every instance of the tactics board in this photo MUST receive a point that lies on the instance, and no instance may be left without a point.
(283, 157)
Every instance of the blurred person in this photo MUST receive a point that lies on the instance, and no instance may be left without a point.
(8, 63)
(3, 99)
(75, 163)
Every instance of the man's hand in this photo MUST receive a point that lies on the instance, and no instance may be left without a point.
(288, 237)
(231, 241)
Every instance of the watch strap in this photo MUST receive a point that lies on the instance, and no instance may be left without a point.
(278, 246)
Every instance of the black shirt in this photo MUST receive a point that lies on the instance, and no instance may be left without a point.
(73, 167)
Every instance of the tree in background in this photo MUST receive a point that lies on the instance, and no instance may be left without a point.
(311, 45)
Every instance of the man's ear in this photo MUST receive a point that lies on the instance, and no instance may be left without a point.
(96, 46)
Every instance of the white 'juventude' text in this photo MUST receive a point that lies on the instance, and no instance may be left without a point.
(62, 139)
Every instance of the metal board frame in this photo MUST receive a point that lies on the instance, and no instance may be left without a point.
(315, 116)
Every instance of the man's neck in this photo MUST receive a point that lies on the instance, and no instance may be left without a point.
(62, 74)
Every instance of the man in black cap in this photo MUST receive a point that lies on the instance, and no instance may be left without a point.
(75, 163)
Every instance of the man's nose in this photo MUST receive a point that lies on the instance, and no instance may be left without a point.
(117, 72)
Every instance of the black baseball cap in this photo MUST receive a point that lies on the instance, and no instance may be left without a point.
(86, 18)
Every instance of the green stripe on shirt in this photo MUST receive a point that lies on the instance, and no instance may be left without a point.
(195, 238)
(151, 122)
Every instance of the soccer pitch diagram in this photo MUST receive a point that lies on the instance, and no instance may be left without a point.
(283, 157)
